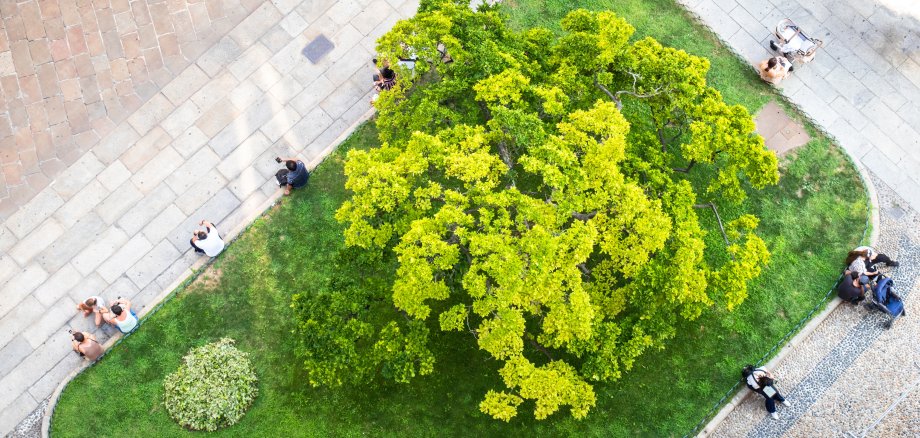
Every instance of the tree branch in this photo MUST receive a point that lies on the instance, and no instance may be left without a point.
(614, 98)
(686, 169)
(718, 219)
(584, 269)
(540, 347)
(584, 217)
(505, 154)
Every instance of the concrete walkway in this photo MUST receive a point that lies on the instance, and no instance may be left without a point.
(117, 221)
(850, 377)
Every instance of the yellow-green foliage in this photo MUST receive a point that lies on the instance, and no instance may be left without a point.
(525, 208)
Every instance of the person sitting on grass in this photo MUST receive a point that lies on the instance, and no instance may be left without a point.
(851, 289)
(294, 175)
(207, 241)
(122, 316)
(87, 345)
(93, 304)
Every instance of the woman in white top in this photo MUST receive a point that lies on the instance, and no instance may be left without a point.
(122, 316)
(761, 381)
(207, 241)
(93, 304)
(864, 260)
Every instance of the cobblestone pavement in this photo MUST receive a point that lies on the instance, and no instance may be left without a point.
(209, 120)
(863, 87)
(72, 70)
(851, 376)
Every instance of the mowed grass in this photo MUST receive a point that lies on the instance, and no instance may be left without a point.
(809, 221)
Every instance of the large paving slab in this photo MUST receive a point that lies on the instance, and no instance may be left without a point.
(189, 137)
(72, 70)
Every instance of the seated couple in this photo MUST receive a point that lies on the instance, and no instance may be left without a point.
(862, 269)
(119, 313)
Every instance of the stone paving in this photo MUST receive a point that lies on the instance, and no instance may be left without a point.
(851, 376)
(72, 70)
(864, 85)
(191, 136)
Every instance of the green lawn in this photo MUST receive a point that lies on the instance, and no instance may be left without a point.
(809, 220)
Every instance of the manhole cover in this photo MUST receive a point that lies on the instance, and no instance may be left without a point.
(318, 48)
(895, 212)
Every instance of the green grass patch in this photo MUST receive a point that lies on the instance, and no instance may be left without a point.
(809, 220)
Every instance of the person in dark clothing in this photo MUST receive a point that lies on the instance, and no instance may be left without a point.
(851, 289)
(761, 381)
(294, 175)
(385, 78)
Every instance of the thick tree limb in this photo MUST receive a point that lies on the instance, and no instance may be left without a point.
(685, 169)
(584, 269)
(505, 154)
(584, 217)
(540, 347)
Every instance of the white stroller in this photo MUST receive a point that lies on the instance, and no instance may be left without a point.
(793, 43)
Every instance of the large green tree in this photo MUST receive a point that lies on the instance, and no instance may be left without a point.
(542, 193)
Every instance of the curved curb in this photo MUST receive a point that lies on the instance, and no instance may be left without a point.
(806, 331)
(874, 221)
(192, 273)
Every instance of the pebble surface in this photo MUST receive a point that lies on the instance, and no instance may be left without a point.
(851, 376)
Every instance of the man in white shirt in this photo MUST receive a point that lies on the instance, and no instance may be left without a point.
(207, 241)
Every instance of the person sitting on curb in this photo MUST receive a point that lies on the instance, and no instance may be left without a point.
(122, 316)
(207, 241)
(93, 304)
(851, 289)
(775, 69)
(761, 381)
(87, 345)
(865, 260)
(294, 175)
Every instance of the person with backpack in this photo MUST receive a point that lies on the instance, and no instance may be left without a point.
(762, 382)
(294, 175)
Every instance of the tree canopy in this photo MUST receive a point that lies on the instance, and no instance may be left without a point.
(542, 193)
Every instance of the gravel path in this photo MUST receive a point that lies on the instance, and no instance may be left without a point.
(852, 377)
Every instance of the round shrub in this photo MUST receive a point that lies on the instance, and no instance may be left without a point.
(213, 388)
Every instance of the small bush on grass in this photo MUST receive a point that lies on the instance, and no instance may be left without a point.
(213, 388)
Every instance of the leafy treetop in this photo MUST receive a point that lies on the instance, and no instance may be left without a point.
(541, 193)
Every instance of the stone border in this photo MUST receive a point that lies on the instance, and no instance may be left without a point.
(192, 273)
(806, 331)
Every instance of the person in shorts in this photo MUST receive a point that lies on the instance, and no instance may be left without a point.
(93, 305)
(121, 316)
